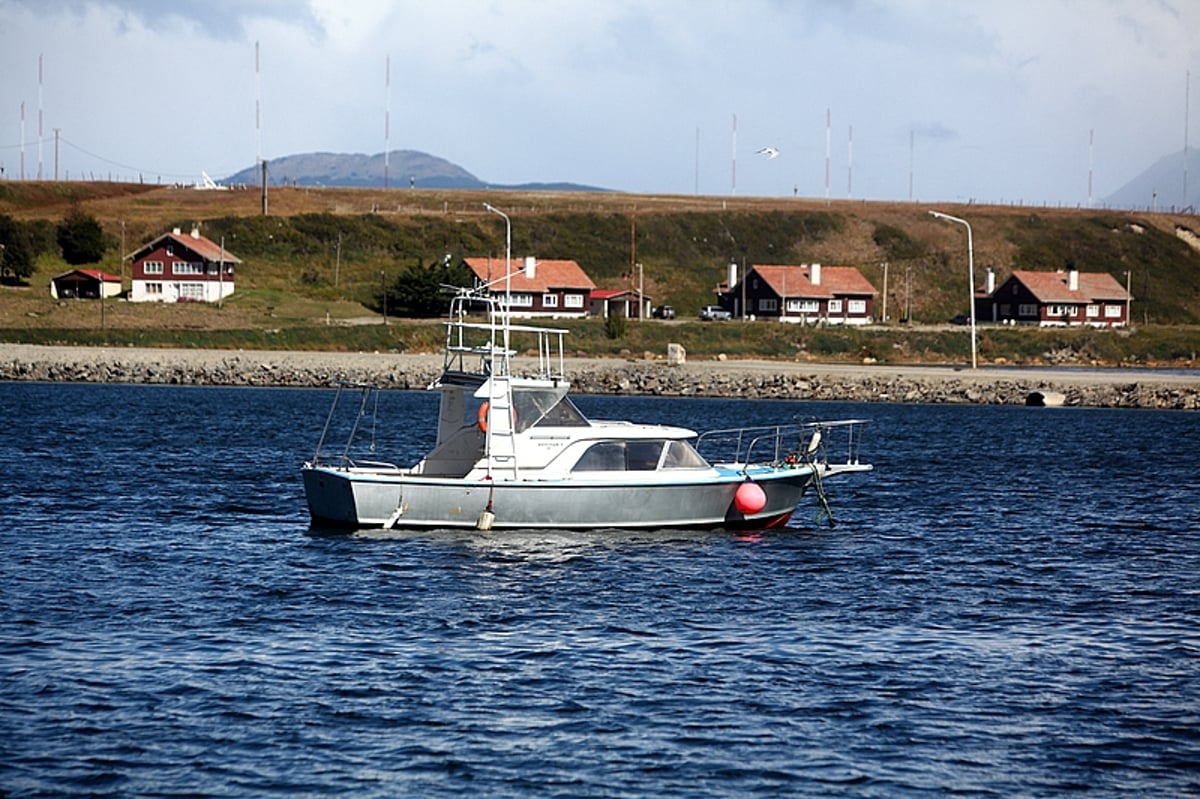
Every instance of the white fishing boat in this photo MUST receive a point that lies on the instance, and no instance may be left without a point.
(514, 452)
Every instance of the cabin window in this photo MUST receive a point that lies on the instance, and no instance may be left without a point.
(606, 456)
(573, 301)
(191, 291)
(521, 300)
(1112, 311)
(682, 455)
(154, 288)
(767, 304)
(1027, 309)
(620, 456)
(803, 306)
(835, 306)
(1093, 311)
(187, 268)
(152, 267)
(857, 306)
(549, 300)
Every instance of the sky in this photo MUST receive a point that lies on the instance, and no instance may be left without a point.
(1041, 102)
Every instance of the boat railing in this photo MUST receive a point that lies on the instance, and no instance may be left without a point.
(339, 455)
(486, 348)
(794, 442)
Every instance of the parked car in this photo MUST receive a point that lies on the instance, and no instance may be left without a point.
(712, 313)
(663, 312)
(961, 319)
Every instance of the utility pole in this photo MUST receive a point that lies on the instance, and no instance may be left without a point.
(885, 276)
(57, 131)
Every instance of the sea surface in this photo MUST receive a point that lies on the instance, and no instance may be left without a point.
(1009, 605)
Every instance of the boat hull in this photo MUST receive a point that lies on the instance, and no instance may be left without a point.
(363, 498)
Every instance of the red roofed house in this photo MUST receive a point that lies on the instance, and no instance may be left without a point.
(812, 293)
(1060, 299)
(620, 302)
(539, 287)
(84, 284)
(182, 268)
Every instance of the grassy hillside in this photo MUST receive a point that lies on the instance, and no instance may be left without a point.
(321, 255)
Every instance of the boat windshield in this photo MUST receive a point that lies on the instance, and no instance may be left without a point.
(545, 408)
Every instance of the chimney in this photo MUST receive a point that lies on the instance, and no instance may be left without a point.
(815, 274)
(176, 231)
(991, 281)
(195, 232)
(1073, 279)
(530, 266)
(732, 275)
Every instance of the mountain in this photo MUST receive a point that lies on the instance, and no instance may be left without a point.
(404, 168)
(1161, 186)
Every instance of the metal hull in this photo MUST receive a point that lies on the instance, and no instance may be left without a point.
(359, 498)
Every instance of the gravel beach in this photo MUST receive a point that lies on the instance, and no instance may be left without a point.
(1128, 388)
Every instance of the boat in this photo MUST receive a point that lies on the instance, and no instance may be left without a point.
(513, 451)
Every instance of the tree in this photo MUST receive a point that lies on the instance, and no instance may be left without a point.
(81, 238)
(16, 250)
(418, 291)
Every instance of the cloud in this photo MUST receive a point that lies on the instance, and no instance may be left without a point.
(629, 94)
(220, 19)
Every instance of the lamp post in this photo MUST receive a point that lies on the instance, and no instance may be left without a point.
(507, 285)
(507, 250)
(383, 285)
(970, 275)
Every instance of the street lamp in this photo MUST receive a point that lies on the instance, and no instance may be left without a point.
(507, 282)
(507, 250)
(970, 275)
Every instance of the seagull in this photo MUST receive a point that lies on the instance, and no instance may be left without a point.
(770, 152)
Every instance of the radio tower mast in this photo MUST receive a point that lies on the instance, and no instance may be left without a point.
(733, 178)
(39, 172)
(387, 117)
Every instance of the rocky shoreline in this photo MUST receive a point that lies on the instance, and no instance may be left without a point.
(1110, 388)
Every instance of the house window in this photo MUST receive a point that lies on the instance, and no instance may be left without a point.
(1093, 311)
(187, 268)
(191, 291)
(1005, 310)
(835, 306)
(766, 304)
(1027, 309)
(803, 306)
(549, 300)
(858, 307)
(1112, 311)
(152, 267)
(573, 301)
(154, 288)
(522, 300)
(170, 249)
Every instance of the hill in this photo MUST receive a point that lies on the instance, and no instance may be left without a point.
(324, 256)
(1161, 186)
(403, 169)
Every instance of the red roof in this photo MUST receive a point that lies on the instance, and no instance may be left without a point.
(796, 281)
(94, 274)
(608, 294)
(1055, 287)
(205, 248)
(548, 275)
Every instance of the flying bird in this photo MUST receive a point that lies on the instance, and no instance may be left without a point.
(770, 152)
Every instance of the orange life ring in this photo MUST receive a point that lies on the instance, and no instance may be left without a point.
(482, 417)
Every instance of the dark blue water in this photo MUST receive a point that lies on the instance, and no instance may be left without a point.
(1008, 606)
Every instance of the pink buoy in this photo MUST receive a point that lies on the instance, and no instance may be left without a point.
(750, 498)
